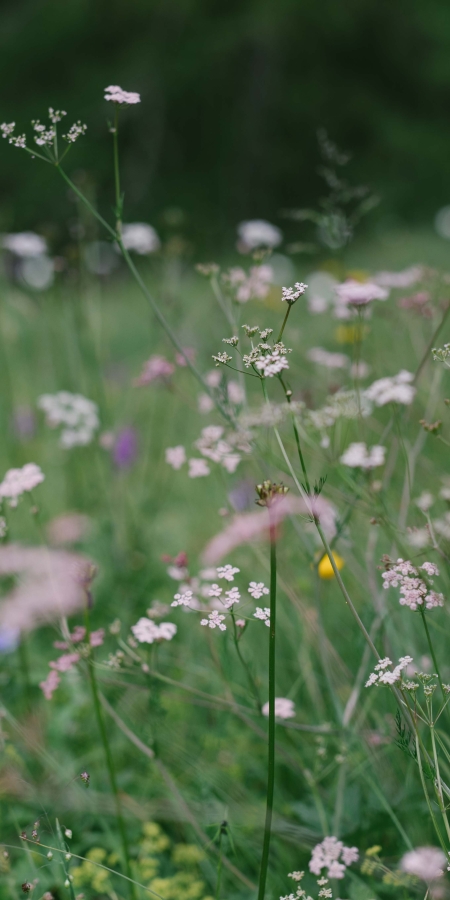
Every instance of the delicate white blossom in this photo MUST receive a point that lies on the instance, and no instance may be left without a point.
(147, 632)
(405, 278)
(140, 237)
(357, 293)
(25, 244)
(227, 572)
(198, 468)
(333, 855)
(117, 95)
(384, 675)
(263, 614)
(330, 360)
(20, 481)
(77, 415)
(414, 591)
(214, 620)
(272, 363)
(175, 456)
(394, 389)
(291, 294)
(258, 233)
(184, 598)
(254, 286)
(256, 589)
(359, 456)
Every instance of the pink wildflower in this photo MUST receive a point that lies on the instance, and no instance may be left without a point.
(50, 684)
(156, 368)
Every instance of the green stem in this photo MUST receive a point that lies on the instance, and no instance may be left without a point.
(271, 747)
(108, 755)
(219, 865)
(433, 655)
(284, 323)
(117, 173)
(245, 665)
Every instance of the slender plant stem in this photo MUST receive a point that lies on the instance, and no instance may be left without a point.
(117, 173)
(108, 756)
(219, 865)
(284, 323)
(246, 667)
(433, 655)
(271, 747)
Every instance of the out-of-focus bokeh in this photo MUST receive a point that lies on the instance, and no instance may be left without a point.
(232, 96)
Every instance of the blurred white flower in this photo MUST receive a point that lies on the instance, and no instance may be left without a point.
(329, 360)
(147, 632)
(176, 456)
(426, 863)
(396, 389)
(77, 415)
(20, 481)
(356, 294)
(117, 95)
(403, 279)
(258, 233)
(198, 468)
(359, 456)
(25, 243)
(332, 855)
(140, 237)
(425, 501)
(37, 272)
(284, 708)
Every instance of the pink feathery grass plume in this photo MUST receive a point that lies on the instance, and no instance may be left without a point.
(51, 584)
(248, 527)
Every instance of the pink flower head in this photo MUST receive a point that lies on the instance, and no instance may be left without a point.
(97, 637)
(50, 684)
(357, 293)
(156, 368)
(65, 662)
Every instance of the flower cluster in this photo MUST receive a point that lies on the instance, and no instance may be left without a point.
(116, 94)
(75, 131)
(441, 354)
(67, 661)
(252, 286)
(258, 233)
(332, 855)
(214, 620)
(414, 590)
(263, 614)
(25, 244)
(272, 363)
(330, 360)
(356, 294)
(325, 893)
(77, 415)
(20, 481)
(147, 632)
(214, 444)
(383, 675)
(359, 456)
(157, 368)
(396, 389)
(140, 238)
(291, 294)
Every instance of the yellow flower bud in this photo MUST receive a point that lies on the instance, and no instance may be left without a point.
(325, 569)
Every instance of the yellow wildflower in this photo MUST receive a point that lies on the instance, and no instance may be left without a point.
(325, 569)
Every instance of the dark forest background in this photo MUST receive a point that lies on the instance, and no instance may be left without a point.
(233, 92)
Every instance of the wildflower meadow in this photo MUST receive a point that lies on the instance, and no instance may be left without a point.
(224, 548)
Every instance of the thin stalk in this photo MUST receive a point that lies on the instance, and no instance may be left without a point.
(108, 756)
(433, 655)
(219, 865)
(438, 785)
(245, 666)
(430, 808)
(284, 323)
(271, 746)
(117, 172)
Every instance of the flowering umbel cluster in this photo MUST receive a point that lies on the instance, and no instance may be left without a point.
(45, 136)
(268, 492)
(414, 591)
(264, 358)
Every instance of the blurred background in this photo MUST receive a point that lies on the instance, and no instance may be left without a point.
(232, 96)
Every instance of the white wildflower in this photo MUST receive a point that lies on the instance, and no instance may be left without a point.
(356, 293)
(359, 456)
(147, 632)
(77, 415)
(327, 855)
(258, 233)
(233, 596)
(330, 360)
(291, 294)
(20, 481)
(272, 364)
(198, 468)
(425, 501)
(227, 572)
(175, 456)
(117, 95)
(395, 389)
(214, 620)
(256, 589)
(184, 598)
(25, 244)
(263, 614)
(141, 238)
